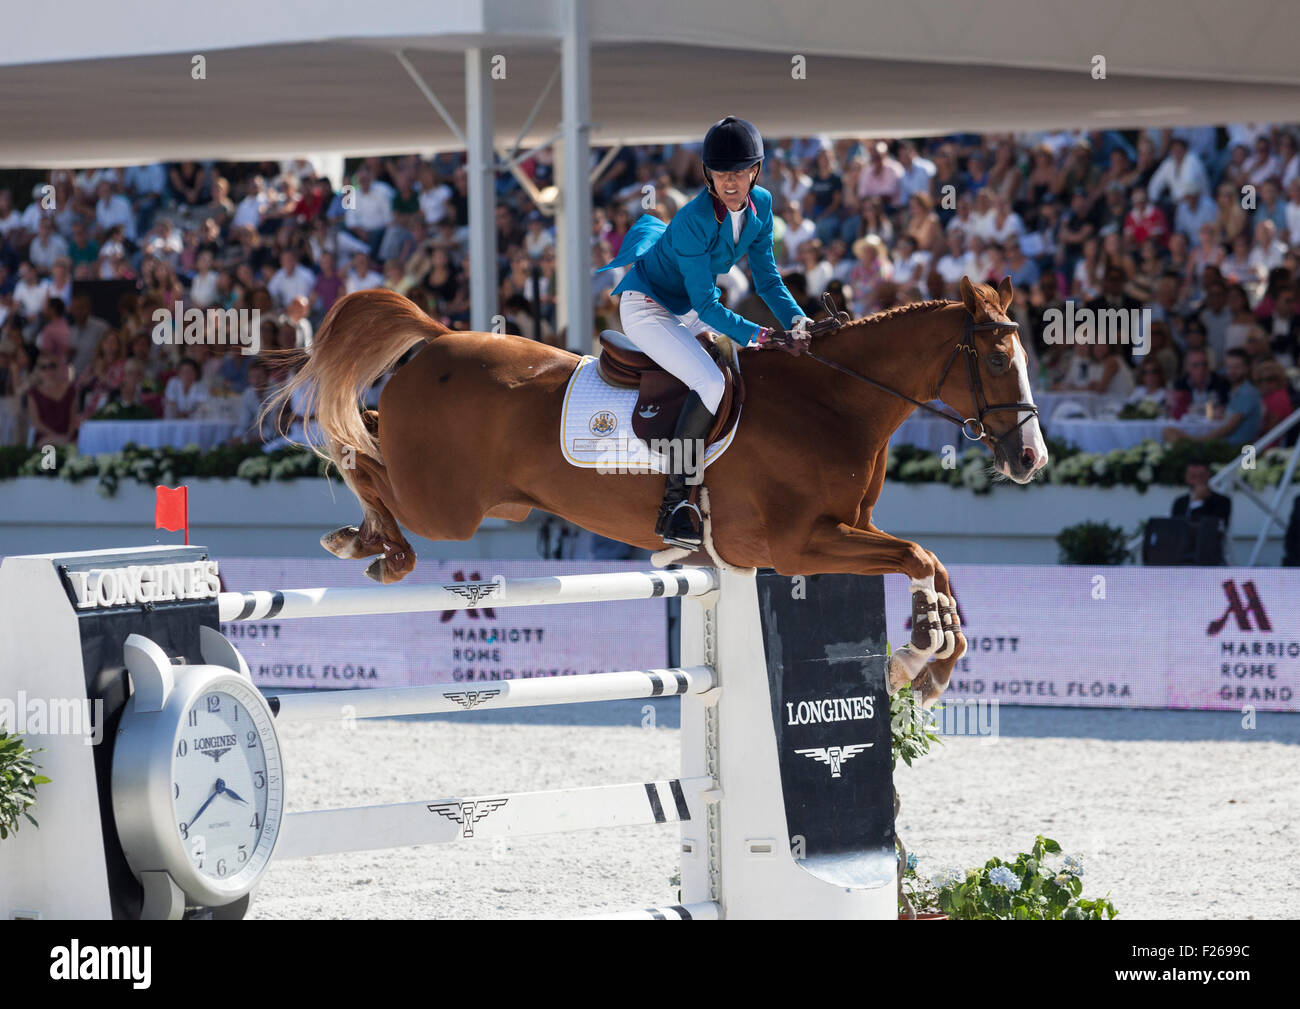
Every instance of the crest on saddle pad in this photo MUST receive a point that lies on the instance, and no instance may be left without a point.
(624, 426)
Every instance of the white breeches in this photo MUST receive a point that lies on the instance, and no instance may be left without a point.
(669, 341)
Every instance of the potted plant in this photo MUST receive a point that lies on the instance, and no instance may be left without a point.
(18, 781)
(1092, 543)
(1027, 889)
(911, 733)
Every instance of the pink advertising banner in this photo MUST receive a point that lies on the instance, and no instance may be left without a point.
(1131, 637)
(1197, 638)
(463, 646)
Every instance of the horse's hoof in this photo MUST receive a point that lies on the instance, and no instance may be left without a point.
(375, 571)
(929, 694)
(342, 542)
(897, 675)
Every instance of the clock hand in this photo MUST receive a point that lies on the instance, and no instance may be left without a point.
(236, 796)
(217, 790)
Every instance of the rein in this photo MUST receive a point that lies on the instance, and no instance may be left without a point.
(971, 427)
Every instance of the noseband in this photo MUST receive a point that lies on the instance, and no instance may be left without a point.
(971, 427)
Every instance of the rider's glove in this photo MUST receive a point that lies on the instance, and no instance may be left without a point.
(794, 342)
(798, 340)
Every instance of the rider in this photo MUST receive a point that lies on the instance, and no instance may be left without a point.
(670, 294)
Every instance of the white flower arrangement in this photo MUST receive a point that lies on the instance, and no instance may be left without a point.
(946, 876)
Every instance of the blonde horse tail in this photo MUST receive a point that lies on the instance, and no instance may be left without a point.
(361, 338)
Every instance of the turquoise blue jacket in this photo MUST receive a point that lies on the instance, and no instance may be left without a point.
(676, 263)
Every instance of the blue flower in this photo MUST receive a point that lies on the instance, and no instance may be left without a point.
(911, 861)
(1005, 878)
(1073, 866)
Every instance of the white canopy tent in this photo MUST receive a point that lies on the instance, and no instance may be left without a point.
(95, 84)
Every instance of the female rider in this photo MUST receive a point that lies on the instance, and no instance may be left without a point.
(670, 294)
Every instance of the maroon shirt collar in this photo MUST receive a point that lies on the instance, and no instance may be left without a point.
(720, 209)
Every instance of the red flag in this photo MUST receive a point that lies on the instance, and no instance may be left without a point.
(171, 509)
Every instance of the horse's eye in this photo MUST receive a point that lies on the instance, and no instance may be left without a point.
(997, 360)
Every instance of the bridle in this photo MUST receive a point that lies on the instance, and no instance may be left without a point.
(972, 428)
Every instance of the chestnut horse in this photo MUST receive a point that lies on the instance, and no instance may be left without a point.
(469, 427)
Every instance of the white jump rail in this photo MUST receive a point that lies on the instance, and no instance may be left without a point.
(456, 819)
(380, 702)
(614, 586)
(485, 818)
(703, 911)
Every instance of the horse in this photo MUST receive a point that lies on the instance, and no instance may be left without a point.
(469, 428)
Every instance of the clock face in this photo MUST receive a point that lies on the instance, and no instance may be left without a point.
(227, 784)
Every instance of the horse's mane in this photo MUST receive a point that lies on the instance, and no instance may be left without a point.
(890, 314)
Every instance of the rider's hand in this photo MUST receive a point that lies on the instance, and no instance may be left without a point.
(798, 340)
(794, 344)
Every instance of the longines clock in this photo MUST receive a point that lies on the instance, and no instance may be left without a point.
(198, 784)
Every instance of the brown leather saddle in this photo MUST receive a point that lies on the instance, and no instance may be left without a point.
(661, 395)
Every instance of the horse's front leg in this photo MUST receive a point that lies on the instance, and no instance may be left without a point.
(841, 547)
(933, 681)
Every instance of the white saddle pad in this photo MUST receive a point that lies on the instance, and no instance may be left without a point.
(596, 428)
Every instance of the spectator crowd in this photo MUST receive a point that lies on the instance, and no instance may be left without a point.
(1198, 226)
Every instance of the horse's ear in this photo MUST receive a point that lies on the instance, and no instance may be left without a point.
(1005, 293)
(968, 295)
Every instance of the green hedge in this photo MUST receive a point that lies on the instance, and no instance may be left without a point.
(1142, 466)
(168, 466)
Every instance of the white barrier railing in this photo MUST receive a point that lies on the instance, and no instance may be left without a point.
(290, 604)
(487, 817)
(1229, 481)
(707, 911)
(380, 702)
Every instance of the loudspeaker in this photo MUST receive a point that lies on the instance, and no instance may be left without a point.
(1178, 541)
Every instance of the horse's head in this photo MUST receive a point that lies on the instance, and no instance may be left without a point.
(988, 382)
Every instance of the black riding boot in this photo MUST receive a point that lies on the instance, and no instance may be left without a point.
(680, 523)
